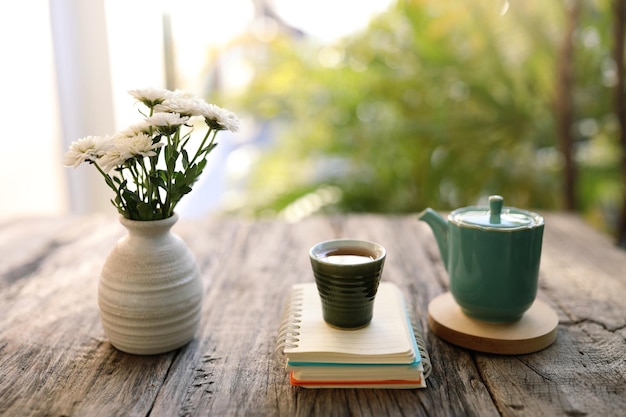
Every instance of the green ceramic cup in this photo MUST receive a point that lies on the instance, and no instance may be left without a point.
(347, 273)
(492, 255)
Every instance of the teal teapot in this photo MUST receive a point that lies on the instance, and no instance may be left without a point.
(492, 256)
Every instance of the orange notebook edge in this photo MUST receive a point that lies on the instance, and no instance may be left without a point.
(391, 383)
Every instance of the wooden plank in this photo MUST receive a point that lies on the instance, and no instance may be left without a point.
(233, 369)
(25, 242)
(54, 357)
(455, 386)
(583, 373)
(55, 360)
(583, 273)
(582, 276)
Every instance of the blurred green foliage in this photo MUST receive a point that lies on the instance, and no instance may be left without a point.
(437, 103)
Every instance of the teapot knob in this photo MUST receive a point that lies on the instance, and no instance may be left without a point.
(495, 208)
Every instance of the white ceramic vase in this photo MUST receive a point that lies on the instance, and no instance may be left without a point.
(150, 292)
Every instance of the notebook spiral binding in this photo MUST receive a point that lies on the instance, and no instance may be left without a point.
(288, 331)
(419, 340)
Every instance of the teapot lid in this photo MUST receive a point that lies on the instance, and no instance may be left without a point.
(496, 216)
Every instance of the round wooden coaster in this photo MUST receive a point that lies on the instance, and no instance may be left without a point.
(536, 329)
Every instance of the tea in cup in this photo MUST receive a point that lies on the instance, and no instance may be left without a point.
(347, 273)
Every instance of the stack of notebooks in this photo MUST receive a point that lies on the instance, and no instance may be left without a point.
(388, 353)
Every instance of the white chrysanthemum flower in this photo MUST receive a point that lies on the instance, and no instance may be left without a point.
(150, 96)
(136, 129)
(230, 121)
(220, 119)
(166, 120)
(139, 145)
(114, 158)
(185, 106)
(178, 94)
(87, 149)
(166, 123)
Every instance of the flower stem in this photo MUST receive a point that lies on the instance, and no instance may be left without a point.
(201, 148)
(109, 181)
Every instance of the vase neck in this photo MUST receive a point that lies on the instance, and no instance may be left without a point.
(149, 228)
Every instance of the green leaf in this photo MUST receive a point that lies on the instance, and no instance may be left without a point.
(201, 166)
(171, 160)
(209, 148)
(184, 190)
(185, 159)
(144, 210)
(157, 180)
(179, 178)
(130, 196)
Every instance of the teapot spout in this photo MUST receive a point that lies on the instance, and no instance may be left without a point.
(439, 226)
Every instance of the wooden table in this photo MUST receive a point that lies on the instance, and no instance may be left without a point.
(56, 361)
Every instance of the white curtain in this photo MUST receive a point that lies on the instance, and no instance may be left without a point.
(84, 89)
(102, 49)
(31, 172)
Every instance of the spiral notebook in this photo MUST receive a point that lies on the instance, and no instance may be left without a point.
(388, 353)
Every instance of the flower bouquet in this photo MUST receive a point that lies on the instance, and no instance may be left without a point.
(150, 290)
(150, 165)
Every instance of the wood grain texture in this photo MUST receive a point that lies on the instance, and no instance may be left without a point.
(55, 360)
